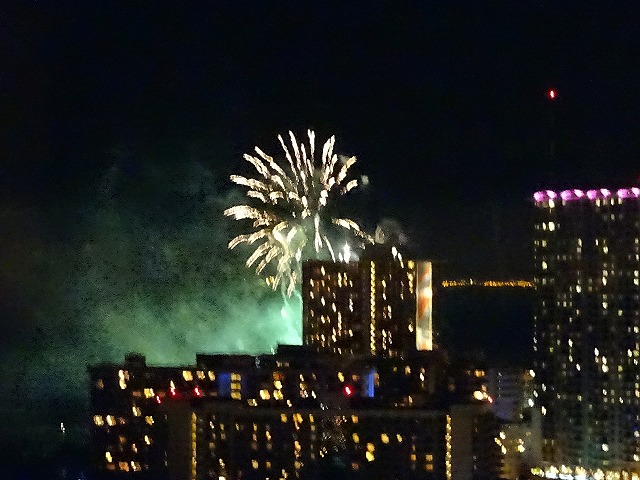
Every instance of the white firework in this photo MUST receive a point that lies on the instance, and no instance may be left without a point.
(291, 205)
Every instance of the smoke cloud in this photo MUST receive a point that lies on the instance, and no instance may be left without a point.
(142, 266)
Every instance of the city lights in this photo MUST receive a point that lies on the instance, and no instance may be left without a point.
(189, 295)
(471, 282)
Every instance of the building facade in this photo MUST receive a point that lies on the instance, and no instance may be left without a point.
(379, 305)
(236, 441)
(587, 321)
(293, 414)
(511, 390)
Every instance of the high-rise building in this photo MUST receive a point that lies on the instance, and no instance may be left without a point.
(587, 321)
(511, 389)
(217, 440)
(332, 307)
(293, 414)
(379, 305)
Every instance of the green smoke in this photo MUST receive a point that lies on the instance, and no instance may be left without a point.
(140, 265)
(157, 278)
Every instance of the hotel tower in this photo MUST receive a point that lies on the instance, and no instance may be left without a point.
(586, 342)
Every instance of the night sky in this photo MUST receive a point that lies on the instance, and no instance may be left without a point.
(120, 124)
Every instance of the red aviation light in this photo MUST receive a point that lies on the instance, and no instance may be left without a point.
(348, 391)
(197, 392)
(158, 399)
(551, 94)
(172, 392)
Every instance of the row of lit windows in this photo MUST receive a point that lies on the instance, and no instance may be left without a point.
(127, 466)
(550, 203)
(369, 453)
(109, 420)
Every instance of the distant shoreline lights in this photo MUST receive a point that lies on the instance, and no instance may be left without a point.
(471, 282)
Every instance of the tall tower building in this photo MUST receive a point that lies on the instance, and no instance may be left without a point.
(332, 306)
(587, 321)
(378, 305)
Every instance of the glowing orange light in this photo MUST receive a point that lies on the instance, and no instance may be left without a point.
(551, 94)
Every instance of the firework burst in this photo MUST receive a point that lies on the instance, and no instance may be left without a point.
(289, 222)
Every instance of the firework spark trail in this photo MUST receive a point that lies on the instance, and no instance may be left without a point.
(291, 207)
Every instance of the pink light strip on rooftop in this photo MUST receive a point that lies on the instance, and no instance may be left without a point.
(576, 194)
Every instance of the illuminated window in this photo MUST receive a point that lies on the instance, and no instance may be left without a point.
(111, 420)
(187, 375)
(136, 411)
(356, 438)
(98, 420)
(108, 456)
(149, 419)
(385, 438)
